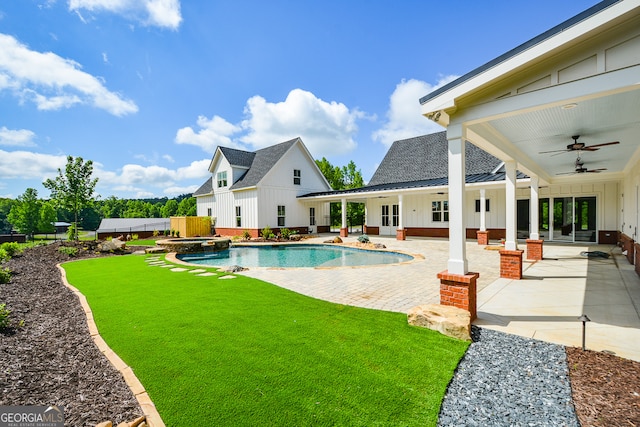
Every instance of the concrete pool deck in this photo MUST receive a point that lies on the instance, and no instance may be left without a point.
(544, 305)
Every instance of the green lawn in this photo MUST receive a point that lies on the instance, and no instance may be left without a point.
(244, 352)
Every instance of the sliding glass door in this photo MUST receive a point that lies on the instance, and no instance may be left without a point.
(574, 219)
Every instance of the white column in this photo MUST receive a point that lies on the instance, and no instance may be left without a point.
(400, 210)
(534, 209)
(457, 225)
(510, 194)
(483, 204)
(344, 213)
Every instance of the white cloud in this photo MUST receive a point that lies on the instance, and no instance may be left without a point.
(176, 191)
(16, 138)
(53, 82)
(105, 57)
(159, 13)
(168, 158)
(327, 128)
(28, 165)
(212, 133)
(404, 118)
(134, 177)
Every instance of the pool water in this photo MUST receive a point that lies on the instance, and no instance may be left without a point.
(294, 256)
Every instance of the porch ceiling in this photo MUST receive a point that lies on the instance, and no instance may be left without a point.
(525, 135)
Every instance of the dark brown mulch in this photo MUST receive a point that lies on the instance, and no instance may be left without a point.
(605, 388)
(52, 360)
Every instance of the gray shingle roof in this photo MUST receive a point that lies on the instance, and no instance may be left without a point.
(205, 189)
(426, 157)
(434, 182)
(262, 162)
(239, 158)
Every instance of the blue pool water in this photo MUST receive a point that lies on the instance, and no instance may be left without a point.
(294, 256)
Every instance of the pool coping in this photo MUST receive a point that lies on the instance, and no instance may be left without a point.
(172, 256)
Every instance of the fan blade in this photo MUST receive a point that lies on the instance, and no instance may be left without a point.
(589, 147)
(596, 170)
(567, 173)
(554, 151)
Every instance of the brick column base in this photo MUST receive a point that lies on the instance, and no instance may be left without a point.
(534, 249)
(344, 232)
(511, 264)
(459, 290)
(401, 234)
(483, 237)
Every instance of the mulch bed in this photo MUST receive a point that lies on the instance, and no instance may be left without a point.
(605, 388)
(52, 360)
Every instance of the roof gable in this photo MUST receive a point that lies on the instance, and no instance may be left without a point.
(426, 157)
(263, 161)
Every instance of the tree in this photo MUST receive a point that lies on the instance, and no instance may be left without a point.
(333, 174)
(73, 189)
(25, 213)
(48, 216)
(169, 209)
(5, 208)
(187, 207)
(347, 177)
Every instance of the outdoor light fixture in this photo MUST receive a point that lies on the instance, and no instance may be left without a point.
(569, 106)
(584, 319)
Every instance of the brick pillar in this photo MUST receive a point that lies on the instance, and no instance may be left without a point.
(483, 237)
(364, 229)
(534, 249)
(511, 264)
(459, 290)
(344, 232)
(401, 234)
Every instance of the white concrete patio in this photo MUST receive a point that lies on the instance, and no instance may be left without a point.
(544, 305)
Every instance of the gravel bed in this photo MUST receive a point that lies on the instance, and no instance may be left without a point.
(507, 380)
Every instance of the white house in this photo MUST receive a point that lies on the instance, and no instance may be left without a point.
(252, 190)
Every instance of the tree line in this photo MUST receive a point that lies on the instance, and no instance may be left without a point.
(72, 200)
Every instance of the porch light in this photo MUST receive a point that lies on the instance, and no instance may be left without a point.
(569, 106)
(584, 319)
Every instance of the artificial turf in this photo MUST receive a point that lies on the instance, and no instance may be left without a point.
(241, 351)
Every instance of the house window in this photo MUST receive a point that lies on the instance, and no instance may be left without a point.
(296, 176)
(396, 215)
(208, 211)
(222, 179)
(238, 216)
(486, 205)
(385, 215)
(440, 210)
(312, 216)
(281, 216)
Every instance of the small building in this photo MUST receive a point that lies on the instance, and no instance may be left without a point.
(143, 227)
(249, 191)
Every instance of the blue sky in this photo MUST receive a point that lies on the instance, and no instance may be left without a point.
(147, 89)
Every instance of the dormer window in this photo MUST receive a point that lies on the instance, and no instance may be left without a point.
(222, 179)
(296, 176)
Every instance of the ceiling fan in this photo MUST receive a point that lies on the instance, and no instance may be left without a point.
(580, 146)
(581, 169)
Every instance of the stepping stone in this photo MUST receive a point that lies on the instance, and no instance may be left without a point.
(156, 263)
(228, 276)
(178, 269)
(197, 270)
(207, 274)
(166, 266)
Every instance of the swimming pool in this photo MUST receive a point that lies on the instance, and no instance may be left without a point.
(294, 256)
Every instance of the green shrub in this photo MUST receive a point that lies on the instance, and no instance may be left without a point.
(266, 233)
(4, 316)
(166, 232)
(285, 233)
(12, 248)
(173, 232)
(4, 256)
(5, 275)
(363, 239)
(69, 250)
(246, 235)
(156, 233)
(134, 237)
(177, 233)
(72, 231)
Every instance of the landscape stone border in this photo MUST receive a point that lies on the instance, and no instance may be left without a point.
(149, 410)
